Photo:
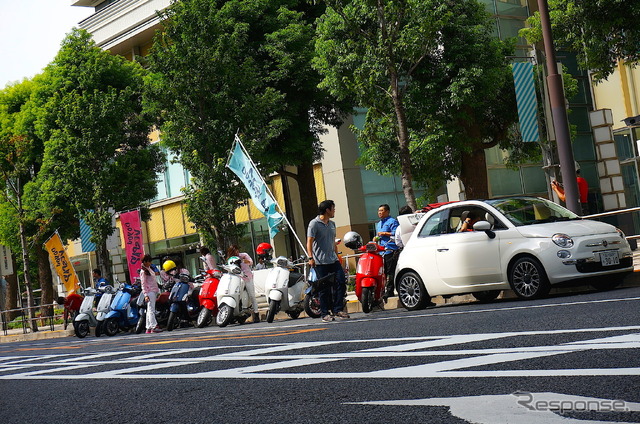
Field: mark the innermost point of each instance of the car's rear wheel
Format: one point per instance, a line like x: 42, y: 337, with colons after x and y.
x: 528, y: 279
x: 486, y: 296
x: 412, y: 292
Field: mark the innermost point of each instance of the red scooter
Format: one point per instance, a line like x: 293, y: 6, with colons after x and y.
x: 207, y: 298
x: 370, y: 278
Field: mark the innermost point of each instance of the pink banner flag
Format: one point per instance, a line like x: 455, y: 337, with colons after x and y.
x: 132, y: 236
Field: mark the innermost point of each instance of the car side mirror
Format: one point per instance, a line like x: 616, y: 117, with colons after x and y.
x: 486, y: 227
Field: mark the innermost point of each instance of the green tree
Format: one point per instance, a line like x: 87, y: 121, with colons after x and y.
x: 435, y: 82
x: 600, y: 32
x: 220, y: 66
x: 97, y: 156
x: 23, y: 149
x: 19, y: 162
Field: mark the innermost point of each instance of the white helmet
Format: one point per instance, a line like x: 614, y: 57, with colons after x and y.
x: 352, y: 240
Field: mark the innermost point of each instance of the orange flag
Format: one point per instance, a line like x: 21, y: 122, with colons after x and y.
x: 60, y: 260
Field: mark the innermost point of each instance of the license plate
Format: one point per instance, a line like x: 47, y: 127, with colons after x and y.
x: 609, y: 258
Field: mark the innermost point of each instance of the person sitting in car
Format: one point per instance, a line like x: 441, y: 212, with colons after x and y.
x: 467, y: 224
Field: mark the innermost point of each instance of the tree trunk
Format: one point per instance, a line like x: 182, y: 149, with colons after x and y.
x: 293, y: 246
x: 403, y: 142
x: 474, y: 175
x: 308, y: 198
x: 27, y: 270
x: 46, y: 282
x: 12, y: 289
x: 104, y: 262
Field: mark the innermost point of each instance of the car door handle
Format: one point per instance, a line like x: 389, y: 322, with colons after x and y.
x: 443, y: 249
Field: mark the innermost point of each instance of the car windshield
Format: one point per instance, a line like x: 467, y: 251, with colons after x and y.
x: 531, y: 210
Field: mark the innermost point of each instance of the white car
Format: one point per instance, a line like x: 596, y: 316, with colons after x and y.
x: 524, y: 243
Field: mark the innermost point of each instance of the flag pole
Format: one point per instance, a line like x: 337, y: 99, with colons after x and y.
x: 284, y: 216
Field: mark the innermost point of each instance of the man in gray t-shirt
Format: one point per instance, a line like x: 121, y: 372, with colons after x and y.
x: 323, y: 255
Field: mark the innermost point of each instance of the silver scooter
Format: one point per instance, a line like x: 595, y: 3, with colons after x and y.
x: 285, y: 288
x: 234, y: 302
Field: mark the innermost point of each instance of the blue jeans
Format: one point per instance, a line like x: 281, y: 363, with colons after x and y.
x: 332, y: 296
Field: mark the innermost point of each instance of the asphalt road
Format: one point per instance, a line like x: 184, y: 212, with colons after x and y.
x: 572, y: 358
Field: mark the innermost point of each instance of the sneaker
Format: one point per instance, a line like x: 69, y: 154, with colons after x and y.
x: 157, y: 330
x: 255, y: 316
x: 149, y: 331
x: 327, y: 318
x: 343, y: 315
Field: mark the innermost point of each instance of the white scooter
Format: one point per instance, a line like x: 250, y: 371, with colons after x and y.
x: 104, y: 306
x: 234, y: 302
x: 85, y: 318
x: 285, y: 289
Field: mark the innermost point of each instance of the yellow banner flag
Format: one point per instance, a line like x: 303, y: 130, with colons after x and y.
x: 60, y: 260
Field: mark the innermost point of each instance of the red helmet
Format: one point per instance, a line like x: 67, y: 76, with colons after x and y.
x: 264, y: 249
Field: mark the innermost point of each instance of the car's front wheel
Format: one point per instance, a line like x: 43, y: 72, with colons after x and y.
x: 528, y: 278
x: 412, y: 292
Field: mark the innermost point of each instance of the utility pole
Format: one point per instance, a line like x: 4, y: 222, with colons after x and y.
x: 559, y: 114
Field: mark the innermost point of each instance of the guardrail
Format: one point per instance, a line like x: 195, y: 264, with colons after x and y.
x: 618, y: 212
x: 23, y: 313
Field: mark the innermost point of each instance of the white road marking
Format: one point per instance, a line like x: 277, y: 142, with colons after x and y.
x: 289, y: 360
x: 498, y: 409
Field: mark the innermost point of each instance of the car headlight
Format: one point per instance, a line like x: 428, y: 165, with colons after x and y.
x: 620, y: 233
x: 562, y: 240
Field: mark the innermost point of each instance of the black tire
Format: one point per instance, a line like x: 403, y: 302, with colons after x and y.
x: 141, y: 324
x: 111, y: 326
x: 312, y: 305
x: 99, y: 328
x: 487, y: 295
x: 528, y: 279
x: 81, y: 328
x: 294, y: 314
x: 367, y: 299
x: 172, y: 322
x: 274, y: 305
x: 412, y: 293
x: 204, y: 318
x: 225, y: 315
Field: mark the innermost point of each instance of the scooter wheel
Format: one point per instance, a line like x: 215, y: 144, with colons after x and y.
x: 204, y: 318
x: 172, y: 322
x: 81, y: 328
x: 140, y: 325
x: 225, y: 314
x: 111, y: 327
x: 312, y: 305
x: 367, y: 299
x: 99, y: 326
x: 274, y: 305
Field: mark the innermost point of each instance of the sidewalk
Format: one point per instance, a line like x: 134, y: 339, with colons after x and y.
x: 353, y: 306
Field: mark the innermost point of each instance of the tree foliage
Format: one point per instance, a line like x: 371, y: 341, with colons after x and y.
x: 97, y: 156
x: 223, y: 66
x: 601, y: 32
x: 435, y: 82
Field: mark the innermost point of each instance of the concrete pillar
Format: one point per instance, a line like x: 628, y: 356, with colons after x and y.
x: 611, y: 183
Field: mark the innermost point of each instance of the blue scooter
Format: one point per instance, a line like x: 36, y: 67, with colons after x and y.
x: 184, y: 306
x: 124, y: 310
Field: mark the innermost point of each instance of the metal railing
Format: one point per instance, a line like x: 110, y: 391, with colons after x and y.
x: 618, y: 212
x: 47, y: 320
